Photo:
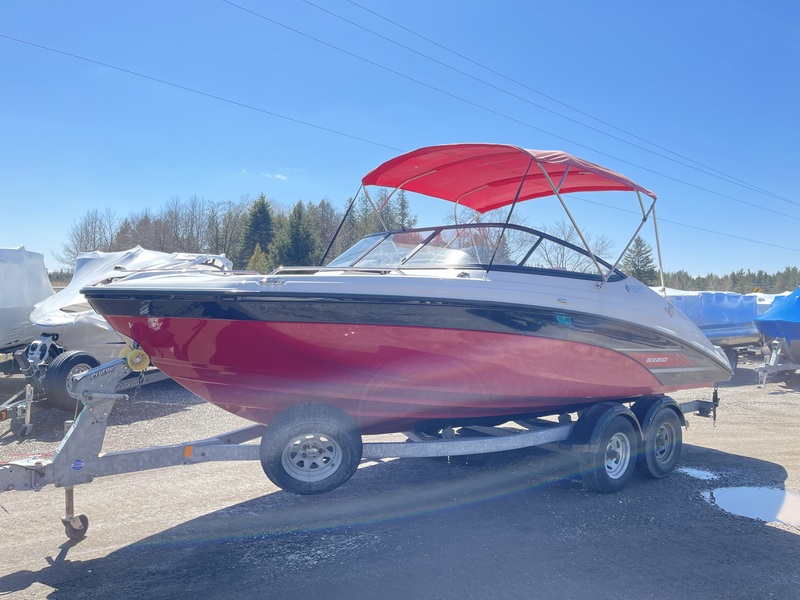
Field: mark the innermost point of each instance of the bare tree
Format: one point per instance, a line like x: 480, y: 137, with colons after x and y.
x: 94, y: 231
x: 225, y: 227
x: 186, y: 223
x: 140, y: 229
x: 556, y: 256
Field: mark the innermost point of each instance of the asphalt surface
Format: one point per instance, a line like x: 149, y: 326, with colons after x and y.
x: 510, y: 525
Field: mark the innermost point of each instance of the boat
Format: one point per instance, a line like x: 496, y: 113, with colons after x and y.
x: 726, y: 318
x: 782, y: 319
x: 73, y: 338
x: 424, y: 328
x: 780, y: 326
x: 25, y: 282
x: 68, y: 315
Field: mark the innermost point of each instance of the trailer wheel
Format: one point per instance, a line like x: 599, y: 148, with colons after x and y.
x: 733, y: 358
x: 64, y: 367
x: 77, y: 527
x: 662, y: 445
x: 611, y: 466
x: 311, y: 449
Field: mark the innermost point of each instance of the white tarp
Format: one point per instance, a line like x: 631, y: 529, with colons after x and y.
x: 23, y: 283
x: 79, y: 327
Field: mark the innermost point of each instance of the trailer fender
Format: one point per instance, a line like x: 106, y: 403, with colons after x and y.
x: 586, y: 434
x: 645, y: 410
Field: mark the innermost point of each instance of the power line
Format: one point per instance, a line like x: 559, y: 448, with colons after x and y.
x: 199, y: 92
x: 500, y: 114
x: 708, y: 170
x: 678, y: 223
x: 322, y: 128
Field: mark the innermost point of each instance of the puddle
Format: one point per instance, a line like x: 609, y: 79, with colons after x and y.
x: 698, y: 473
x: 766, y: 504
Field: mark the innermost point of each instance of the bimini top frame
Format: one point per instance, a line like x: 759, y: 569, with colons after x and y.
x: 485, y: 177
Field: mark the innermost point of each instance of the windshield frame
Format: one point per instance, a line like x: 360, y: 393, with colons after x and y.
x: 372, y: 242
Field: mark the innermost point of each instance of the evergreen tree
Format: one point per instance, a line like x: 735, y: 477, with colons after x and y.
x: 638, y: 262
x: 293, y: 244
x: 398, y: 212
x: 258, y: 230
x: 403, y: 211
x: 323, y: 220
x: 258, y: 262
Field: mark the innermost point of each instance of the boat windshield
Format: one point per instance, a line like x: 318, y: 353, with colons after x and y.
x: 477, y: 244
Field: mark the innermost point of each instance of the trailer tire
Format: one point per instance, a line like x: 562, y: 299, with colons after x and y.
x: 64, y: 367
x: 662, y: 445
x: 76, y: 531
x: 311, y: 449
x: 610, y: 466
x: 733, y: 358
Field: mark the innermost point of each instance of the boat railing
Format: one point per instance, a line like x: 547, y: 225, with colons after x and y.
x: 315, y: 270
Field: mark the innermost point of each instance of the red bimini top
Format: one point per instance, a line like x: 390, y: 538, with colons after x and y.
x: 488, y: 176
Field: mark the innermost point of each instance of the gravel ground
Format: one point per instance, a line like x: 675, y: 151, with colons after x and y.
x: 510, y: 525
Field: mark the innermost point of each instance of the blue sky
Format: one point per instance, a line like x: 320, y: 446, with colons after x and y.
x: 299, y: 100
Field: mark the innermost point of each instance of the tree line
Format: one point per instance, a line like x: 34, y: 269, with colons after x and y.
x: 254, y: 234
x: 259, y: 235
x: 638, y: 262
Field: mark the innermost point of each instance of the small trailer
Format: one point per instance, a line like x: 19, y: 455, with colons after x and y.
x: 611, y: 438
x: 47, y: 381
x: 20, y: 406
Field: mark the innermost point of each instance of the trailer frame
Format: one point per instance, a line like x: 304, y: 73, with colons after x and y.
x: 79, y: 459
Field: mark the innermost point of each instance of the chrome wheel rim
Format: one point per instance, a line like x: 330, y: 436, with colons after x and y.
x: 311, y: 457
x: 618, y: 455
x: 664, y: 443
x: 77, y: 370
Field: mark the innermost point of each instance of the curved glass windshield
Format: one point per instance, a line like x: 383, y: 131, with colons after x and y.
x: 476, y: 244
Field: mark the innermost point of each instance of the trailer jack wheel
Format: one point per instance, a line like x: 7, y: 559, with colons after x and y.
x: 76, y: 527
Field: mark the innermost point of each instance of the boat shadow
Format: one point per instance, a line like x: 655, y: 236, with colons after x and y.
x: 474, y: 521
x: 152, y: 401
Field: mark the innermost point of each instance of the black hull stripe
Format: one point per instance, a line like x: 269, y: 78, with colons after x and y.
x: 394, y: 311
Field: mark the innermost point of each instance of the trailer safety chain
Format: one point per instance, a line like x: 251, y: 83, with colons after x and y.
x: 139, y: 383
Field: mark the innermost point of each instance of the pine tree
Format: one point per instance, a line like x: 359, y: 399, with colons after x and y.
x: 257, y: 231
x: 258, y: 262
x: 638, y: 262
x: 293, y: 244
x: 323, y: 220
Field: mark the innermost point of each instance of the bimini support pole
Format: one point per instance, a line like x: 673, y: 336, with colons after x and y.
x: 341, y: 224
x: 645, y: 216
x: 377, y: 210
x: 572, y: 219
x: 508, y: 217
x: 658, y: 251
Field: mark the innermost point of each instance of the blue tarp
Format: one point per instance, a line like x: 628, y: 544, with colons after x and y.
x: 716, y: 308
x: 783, y: 319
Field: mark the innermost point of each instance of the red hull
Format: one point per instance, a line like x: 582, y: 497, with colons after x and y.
x: 388, y: 378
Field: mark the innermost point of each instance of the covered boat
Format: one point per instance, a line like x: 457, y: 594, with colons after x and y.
x: 782, y: 319
x: 421, y: 328
x: 781, y: 324
x: 726, y: 318
x: 24, y: 283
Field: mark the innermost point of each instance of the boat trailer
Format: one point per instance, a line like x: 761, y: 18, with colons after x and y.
x: 78, y: 458
x: 776, y: 361
x: 46, y: 382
